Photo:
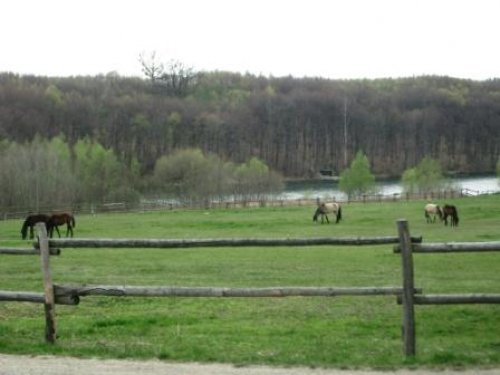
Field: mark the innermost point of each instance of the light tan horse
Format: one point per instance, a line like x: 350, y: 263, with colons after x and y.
x: 328, y: 208
x: 431, y: 210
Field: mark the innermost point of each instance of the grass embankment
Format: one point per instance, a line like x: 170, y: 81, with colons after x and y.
x: 330, y: 332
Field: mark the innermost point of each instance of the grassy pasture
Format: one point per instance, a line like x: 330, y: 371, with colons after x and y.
x: 313, y: 331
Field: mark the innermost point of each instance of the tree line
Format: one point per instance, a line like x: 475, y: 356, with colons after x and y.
x: 297, y: 127
x: 43, y: 175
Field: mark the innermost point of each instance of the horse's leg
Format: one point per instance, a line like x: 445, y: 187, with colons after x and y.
x: 327, y: 221
x: 32, y: 235
x: 69, y: 230
x: 57, y: 230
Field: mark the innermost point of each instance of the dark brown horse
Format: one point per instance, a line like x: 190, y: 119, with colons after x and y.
x: 30, y: 223
x: 451, y: 211
x: 60, y: 219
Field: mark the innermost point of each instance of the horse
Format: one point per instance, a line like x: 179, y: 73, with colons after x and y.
x: 60, y: 219
x: 327, y: 208
x: 30, y: 223
x: 434, y: 210
x: 450, y: 210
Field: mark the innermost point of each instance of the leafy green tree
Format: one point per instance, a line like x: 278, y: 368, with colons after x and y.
x: 357, y: 179
x: 409, y: 180
x: 36, y: 176
x: 427, y: 176
x: 183, y: 175
x: 254, y: 181
x: 100, y: 174
x: 190, y: 176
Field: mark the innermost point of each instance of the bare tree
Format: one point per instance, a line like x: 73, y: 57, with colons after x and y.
x: 175, y: 78
x: 178, y: 77
x: 151, y: 67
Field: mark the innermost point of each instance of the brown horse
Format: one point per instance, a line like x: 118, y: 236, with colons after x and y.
x: 30, y: 222
x: 60, y: 219
x: 451, y: 211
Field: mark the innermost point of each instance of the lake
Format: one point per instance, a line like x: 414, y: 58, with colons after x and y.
x: 326, y: 189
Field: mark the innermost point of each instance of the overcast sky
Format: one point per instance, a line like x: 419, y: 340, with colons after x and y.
x: 327, y: 38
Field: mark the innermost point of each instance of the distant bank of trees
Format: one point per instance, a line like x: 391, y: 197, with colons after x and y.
x: 297, y: 127
x: 190, y: 176
x: 52, y: 174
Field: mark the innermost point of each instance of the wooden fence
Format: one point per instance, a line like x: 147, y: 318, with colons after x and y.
x: 18, y: 212
x: 407, y: 295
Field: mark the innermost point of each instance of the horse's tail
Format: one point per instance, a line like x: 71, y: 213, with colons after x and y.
x: 339, y: 213
x: 24, y: 230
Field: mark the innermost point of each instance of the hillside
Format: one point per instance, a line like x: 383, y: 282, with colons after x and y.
x: 297, y: 126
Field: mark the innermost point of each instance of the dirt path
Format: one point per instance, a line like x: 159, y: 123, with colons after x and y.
x: 49, y: 365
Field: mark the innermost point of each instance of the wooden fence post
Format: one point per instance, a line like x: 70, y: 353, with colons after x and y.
x: 408, y: 288
x: 48, y: 287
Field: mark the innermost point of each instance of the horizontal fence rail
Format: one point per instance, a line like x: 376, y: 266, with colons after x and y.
x: 31, y: 251
x: 455, y: 299
x: 452, y: 247
x: 22, y: 296
x: 223, y: 242
x: 174, y: 291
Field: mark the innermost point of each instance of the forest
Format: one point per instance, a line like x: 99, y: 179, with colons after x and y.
x: 296, y: 126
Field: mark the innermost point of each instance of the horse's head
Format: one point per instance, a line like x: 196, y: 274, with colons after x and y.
x: 316, y: 214
x: 455, y: 216
x: 24, y: 229
x: 439, y: 212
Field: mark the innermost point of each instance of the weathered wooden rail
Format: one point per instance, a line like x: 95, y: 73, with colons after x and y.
x: 407, y: 295
x: 65, y: 294
x: 33, y: 251
x: 222, y: 242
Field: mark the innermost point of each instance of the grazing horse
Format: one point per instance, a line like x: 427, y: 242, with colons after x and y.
x: 60, y: 219
x: 30, y: 222
x: 327, y: 208
x: 434, y: 210
x: 450, y: 210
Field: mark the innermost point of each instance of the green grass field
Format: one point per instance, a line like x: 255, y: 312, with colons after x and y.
x: 309, y: 331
